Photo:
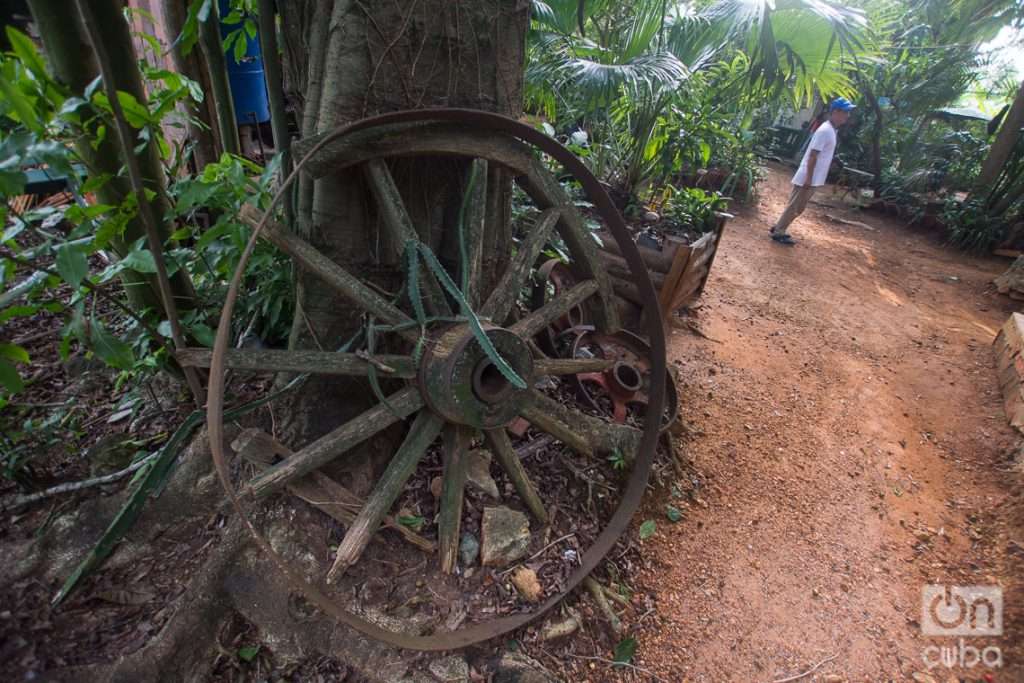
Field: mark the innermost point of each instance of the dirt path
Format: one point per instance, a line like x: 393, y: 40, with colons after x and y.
x: 849, y: 430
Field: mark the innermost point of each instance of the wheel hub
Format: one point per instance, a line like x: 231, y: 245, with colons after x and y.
x: 460, y: 382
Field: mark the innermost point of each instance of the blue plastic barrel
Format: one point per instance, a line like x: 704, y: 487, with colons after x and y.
x: 248, y: 85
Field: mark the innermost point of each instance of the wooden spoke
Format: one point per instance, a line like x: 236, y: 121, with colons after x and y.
x: 422, y: 433
x: 400, y: 229
x: 544, y: 189
x: 473, y: 228
x: 334, y: 275
x: 503, y: 298
x: 418, y: 139
x: 570, y: 366
x: 555, y: 309
x: 456, y: 452
x: 583, y: 433
x: 501, y: 446
x: 316, y: 488
x: 317, y: 362
x: 317, y: 454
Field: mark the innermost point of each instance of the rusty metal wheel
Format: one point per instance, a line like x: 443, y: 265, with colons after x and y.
x: 621, y: 391
x: 474, y: 376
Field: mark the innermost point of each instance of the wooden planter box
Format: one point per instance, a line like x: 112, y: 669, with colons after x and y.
x: 678, y: 270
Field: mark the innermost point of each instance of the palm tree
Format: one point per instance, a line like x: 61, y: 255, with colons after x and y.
x: 621, y: 65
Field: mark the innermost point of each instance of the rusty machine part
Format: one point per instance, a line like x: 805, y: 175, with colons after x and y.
x: 624, y: 384
x: 455, y: 389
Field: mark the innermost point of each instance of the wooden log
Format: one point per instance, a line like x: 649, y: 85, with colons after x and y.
x: 627, y: 290
x: 453, y: 489
x: 316, y: 488
x: 331, y: 445
x: 658, y: 261
x: 424, y: 430
x: 570, y: 366
x: 319, y: 362
x: 501, y: 446
x: 617, y: 267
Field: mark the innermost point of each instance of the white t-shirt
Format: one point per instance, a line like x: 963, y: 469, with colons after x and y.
x: 823, y: 140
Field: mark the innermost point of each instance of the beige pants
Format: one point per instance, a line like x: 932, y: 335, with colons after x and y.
x: 798, y: 199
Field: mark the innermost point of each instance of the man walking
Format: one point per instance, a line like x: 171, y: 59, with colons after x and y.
x: 813, y: 169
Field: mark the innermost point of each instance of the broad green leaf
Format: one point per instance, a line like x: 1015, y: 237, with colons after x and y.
x: 13, y: 352
x: 248, y: 653
x: 241, y: 44
x: 647, y: 529
x: 20, y: 103
x: 17, y: 312
x: 214, y: 233
x: 72, y: 263
x: 26, y: 51
x: 414, y: 522
x: 9, y: 377
x: 12, y: 183
x: 109, y: 348
x: 625, y: 650
x: 140, y: 260
x: 203, y: 334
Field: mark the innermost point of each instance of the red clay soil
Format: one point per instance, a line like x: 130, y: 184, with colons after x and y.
x: 848, y: 425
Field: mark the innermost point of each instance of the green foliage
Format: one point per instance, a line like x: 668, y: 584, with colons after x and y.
x: 38, y: 127
x: 689, y: 209
x: 618, y: 460
x: 647, y: 529
x: 625, y: 650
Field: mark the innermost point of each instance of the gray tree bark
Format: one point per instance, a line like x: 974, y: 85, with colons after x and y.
x: 349, y: 59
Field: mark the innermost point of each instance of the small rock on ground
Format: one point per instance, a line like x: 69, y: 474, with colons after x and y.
x: 514, y: 667
x: 526, y: 582
x: 452, y: 669
x: 469, y: 549
x: 478, y: 473
x: 505, y: 536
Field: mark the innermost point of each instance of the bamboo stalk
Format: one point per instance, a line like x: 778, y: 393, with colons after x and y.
x: 135, y: 177
x: 275, y: 93
x: 224, y: 105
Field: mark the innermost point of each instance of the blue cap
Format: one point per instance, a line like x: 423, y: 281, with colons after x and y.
x: 842, y: 104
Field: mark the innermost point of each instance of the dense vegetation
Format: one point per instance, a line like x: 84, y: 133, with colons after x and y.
x: 658, y: 97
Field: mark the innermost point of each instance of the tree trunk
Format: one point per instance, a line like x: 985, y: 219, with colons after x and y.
x: 1002, y: 148
x: 361, y: 59
x: 193, y: 65
x: 72, y: 63
x: 220, y: 88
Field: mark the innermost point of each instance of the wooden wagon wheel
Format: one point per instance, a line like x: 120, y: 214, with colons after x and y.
x: 475, y: 375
